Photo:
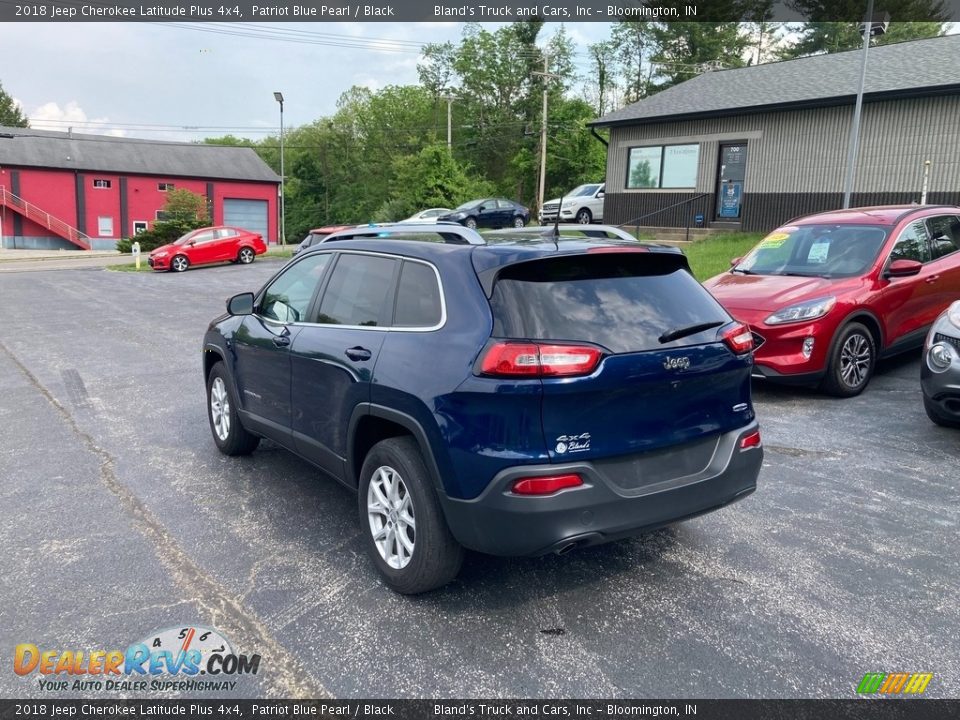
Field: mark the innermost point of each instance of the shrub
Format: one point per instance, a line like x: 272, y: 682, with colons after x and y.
x: 162, y: 232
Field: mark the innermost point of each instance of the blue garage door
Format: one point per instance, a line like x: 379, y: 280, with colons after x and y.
x: 247, y: 214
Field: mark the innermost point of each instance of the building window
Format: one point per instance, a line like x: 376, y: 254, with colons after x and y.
x: 105, y: 226
x: 163, y: 215
x: 663, y: 166
x: 102, y: 184
x: 139, y: 226
x: 164, y: 187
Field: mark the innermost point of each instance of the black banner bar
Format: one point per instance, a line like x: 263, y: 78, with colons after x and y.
x: 865, y: 709
x: 461, y: 10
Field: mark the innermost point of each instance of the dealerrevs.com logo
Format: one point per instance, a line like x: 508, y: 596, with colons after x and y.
x: 894, y: 683
x: 171, y: 659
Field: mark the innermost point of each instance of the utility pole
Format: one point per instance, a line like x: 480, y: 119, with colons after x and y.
x: 547, y: 76
x: 449, y: 97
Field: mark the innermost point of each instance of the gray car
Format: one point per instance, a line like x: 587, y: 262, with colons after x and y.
x: 940, y: 369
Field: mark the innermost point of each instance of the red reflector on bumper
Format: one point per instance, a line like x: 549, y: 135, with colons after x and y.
x: 545, y: 485
x: 750, y: 441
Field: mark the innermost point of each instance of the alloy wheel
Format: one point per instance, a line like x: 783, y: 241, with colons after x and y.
x: 220, y: 409
x: 855, y: 359
x: 180, y: 263
x: 391, y: 517
x: 246, y: 256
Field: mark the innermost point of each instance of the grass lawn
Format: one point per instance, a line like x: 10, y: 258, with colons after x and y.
x: 712, y: 256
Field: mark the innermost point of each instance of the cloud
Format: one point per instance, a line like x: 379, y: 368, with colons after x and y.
x: 50, y: 116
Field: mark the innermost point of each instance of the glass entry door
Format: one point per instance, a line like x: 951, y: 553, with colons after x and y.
x: 733, y: 169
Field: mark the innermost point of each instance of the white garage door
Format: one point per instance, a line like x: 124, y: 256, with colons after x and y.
x: 247, y: 214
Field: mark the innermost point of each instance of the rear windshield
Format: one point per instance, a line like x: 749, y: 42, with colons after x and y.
x: 624, y: 302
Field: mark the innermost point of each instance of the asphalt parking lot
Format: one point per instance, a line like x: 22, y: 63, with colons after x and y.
x: 120, y: 518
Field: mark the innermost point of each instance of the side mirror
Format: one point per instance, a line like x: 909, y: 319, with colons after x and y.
x: 903, y: 268
x: 600, y: 195
x: 481, y: 208
x: 191, y: 243
x: 241, y: 304
x: 735, y: 261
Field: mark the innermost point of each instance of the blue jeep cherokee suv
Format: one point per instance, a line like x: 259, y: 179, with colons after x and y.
x: 518, y: 397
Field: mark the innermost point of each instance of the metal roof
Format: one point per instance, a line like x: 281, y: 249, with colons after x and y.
x: 919, y: 67
x: 102, y: 153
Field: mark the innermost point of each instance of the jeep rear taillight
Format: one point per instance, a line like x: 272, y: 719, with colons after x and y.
x: 547, y: 485
x: 738, y: 338
x: 518, y: 359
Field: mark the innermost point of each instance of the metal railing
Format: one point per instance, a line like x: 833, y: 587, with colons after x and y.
x: 42, y: 217
x: 636, y: 221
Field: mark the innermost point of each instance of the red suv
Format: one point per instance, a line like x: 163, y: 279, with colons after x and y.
x: 828, y: 294
x: 208, y: 245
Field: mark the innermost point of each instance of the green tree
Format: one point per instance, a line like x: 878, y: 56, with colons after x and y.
x: 601, y: 83
x: 815, y: 38
x: 183, y: 211
x: 184, y: 205
x: 10, y: 113
x: 500, y: 97
x: 686, y: 49
x: 633, y: 44
x: 431, y: 178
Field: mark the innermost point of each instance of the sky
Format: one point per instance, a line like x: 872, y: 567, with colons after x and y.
x: 153, y: 80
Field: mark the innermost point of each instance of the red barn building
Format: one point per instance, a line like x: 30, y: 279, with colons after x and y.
x: 70, y: 191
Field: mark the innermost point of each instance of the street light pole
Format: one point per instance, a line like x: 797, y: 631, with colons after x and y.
x: 869, y: 27
x: 278, y: 96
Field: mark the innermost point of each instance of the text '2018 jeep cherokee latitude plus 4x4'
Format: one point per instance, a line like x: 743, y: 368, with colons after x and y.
x: 518, y: 397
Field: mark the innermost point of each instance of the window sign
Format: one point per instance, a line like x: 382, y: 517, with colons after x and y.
x: 644, y: 167
x: 730, y: 196
x: 669, y: 166
x: 680, y: 166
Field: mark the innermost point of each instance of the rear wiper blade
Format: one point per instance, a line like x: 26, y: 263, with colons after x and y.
x: 678, y: 333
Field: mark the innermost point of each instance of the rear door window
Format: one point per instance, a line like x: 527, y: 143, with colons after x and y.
x: 622, y: 301
x: 360, y: 291
x: 944, y: 235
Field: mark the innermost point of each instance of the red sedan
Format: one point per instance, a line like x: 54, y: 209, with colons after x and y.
x: 208, y: 245
x: 828, y: 294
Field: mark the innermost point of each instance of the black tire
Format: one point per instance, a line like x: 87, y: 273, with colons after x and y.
x: 179, y: 263
x: 471, y: 223
x: 584, y: 216
x: 518, y: 222
x: 246, y: 256
x: 934, y: 414
x: 435, y: 557
x: 853, y: 358
x: 235, y: 440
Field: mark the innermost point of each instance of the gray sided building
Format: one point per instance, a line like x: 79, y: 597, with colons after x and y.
x: 753, y: 147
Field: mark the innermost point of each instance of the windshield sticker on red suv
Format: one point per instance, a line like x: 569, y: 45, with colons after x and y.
x: 573, y: 443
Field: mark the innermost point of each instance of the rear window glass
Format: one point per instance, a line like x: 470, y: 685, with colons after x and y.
x: 623, y: 302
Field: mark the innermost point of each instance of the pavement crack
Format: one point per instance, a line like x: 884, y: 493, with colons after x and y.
x: 288, y: 677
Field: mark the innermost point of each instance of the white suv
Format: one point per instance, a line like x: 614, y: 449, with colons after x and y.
x: 583, y: 204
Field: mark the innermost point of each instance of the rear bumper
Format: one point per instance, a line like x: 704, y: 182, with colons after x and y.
x: 501, y: 523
